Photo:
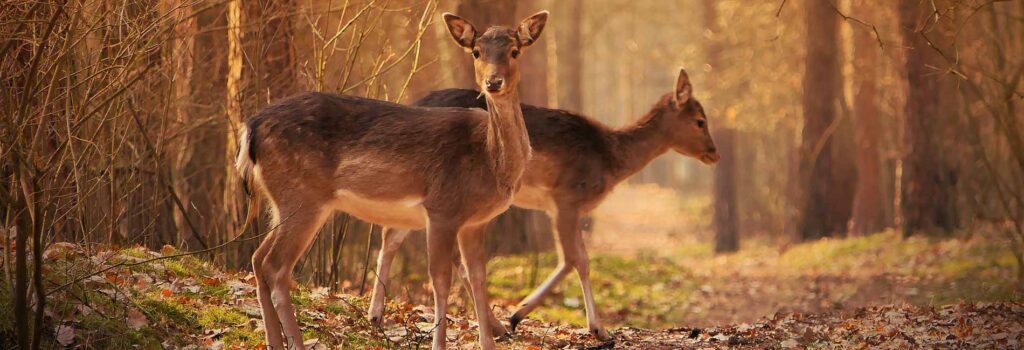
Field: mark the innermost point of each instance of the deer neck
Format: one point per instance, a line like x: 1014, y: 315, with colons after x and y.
x: 638, y: 144
x: 508, y: 144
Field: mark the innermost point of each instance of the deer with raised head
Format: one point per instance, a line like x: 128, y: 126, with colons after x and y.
x: 449, y: 170
x: 576, y: 162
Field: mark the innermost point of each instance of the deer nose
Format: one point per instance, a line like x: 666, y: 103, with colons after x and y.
x: 712, y: 149
x: 494, y: 84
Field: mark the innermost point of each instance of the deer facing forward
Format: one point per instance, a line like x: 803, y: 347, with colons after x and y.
x: 449, y: 170
x: 577, y: 162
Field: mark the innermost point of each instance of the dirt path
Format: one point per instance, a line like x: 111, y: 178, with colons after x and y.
x: 961, y: 326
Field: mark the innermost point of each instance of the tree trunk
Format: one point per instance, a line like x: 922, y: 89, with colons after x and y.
x: 181, y: 51
x: 570, y: 55
x: 726, y: 219
x: 533, y: 67
x: 277, y: 76
x: 927, y: 180
x: 231, y: 194
x: 868, y: 203
x: 820, y: 91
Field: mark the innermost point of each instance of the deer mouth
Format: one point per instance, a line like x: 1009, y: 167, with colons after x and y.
x: 710, y: 158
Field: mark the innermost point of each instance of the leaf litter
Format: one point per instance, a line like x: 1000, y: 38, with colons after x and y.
x: 162, y: 305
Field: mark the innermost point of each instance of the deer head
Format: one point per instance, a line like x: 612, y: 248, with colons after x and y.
x: 687, y: 125
x: 496, y: 52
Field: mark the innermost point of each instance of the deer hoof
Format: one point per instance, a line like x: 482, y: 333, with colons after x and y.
x: 514, y: 322
x: 600, y: 334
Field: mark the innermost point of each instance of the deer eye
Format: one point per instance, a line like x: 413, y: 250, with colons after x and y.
x: 701, y: 123
x: 515, y: 53
x: 476, y: 53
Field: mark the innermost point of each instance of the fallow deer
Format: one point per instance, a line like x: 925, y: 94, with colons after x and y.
x: 449, y: 170
x: 576, y: 162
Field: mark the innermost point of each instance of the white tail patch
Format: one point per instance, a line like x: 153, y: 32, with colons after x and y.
x: 242, y: 162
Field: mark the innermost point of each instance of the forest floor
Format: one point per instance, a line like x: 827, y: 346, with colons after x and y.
x: 879, y: 291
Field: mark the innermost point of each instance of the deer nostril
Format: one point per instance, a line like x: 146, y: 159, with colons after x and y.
x: 494, y: 84
x: 712, y: 150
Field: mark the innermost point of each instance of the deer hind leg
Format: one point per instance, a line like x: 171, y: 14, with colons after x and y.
x: 271, y: 323
x: 582, y: 264
x: 471, y: 247
x: 497, y: 328
x: 565, y: 266
x: 391, y: 240
x: 295, y: 229
x: 440, y: 243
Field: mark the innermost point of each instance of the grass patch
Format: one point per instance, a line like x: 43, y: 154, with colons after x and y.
x: 642, y: 292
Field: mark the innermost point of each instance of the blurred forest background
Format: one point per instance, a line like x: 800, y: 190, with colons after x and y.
x: 844, y: 118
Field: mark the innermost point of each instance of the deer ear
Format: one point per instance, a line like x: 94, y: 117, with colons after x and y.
x: 531, y: 27
x: 462, y: 31
x: 683, y: 89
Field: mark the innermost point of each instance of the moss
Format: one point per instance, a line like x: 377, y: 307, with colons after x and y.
x: 644, y: 286
x: 217, y: 316
x: 136, y: 252
x: 168, y: 311
x: 101, y: 331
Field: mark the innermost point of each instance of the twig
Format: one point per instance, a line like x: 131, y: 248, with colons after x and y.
x: 874, y: 29
x: 779, y: 11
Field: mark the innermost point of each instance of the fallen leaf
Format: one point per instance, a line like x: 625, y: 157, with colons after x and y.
x: 788, y: 344
x: 167, y: 249
x: 65, y: 335
x: 136, y: 319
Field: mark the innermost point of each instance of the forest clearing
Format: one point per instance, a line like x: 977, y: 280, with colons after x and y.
x: 511, y: 174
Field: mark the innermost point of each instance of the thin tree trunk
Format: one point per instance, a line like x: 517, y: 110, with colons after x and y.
x: 181, y: 55
x: 820, y: 91
x: 570, y: 56
x: 277, y: 73
x: 533, y: 87
x: 868, y: 203
x: 927, y: 181
x: 234, y: 112
x: 726, y: 219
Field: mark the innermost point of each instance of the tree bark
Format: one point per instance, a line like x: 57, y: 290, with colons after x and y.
x: 869, y: 202
x: 570, y: 56
x: 533, y: 65
x: 726, y: 219
x: 180, y: 54
x: 231, y: 194
x: 820, y: 93
x: 927, y: 180
x: 277, y: 76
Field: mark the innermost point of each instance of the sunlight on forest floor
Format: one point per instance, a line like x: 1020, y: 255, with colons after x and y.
x: 648, y: 219
x: 675, y: 284
x: 186, y: 301
x: 696, y: 288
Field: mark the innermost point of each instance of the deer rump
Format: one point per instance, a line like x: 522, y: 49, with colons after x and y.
x: 375, y: 160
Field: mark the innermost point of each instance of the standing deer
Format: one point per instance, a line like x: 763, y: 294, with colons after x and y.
x: 577, y: 161
x: 449, y: 170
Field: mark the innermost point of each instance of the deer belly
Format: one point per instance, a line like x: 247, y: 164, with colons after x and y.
x: 534, y: 197
x: 407, y: 213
